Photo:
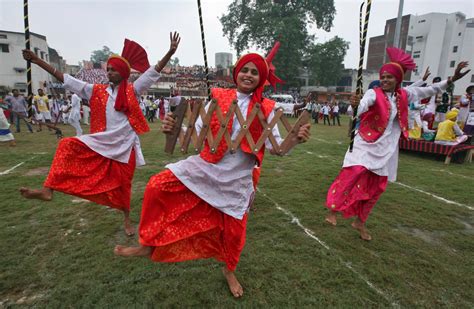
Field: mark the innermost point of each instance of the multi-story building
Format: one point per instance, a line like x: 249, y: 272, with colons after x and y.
x: 13, y: 66
x: 223, y: 60
x: 435, y: 40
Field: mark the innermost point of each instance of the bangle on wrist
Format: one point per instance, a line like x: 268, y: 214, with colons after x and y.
x: 54, y: 72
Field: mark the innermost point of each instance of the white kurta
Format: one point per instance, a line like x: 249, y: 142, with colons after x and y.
x: 119, y: 138
x: 381, y: 156
x: 5, y: 133
x: 75, y: 113
x: 463, y: 110
x: 226, y: 185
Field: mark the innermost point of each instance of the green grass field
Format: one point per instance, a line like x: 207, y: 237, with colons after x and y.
x: 60, y: 254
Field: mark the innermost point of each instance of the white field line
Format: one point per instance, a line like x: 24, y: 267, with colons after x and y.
x: 326, y: 141
x: 312, y: 235
x: 453, y: 174
x: 11, y: 169
x: 434, y: 196
x: 19, y: 164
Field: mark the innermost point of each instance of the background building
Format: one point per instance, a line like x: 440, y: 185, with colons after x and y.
x: 223, y: 60
x: 435, y: 40
x: 13, y: 66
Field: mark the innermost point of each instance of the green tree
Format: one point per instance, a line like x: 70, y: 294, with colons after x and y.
x: 325, y: 61
x: 261, y: 22
x: 101, y: 55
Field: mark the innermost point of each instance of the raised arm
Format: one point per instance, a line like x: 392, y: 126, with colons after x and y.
x: 151, y: 76
x: 28, y: 55
x: 418, y: 93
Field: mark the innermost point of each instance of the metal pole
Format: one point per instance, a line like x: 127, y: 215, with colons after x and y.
x: 204, y: 52
x: 398, y: 25
x: 28, y: 63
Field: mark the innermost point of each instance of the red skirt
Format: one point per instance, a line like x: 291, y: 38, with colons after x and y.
x: 355, y: 192
x: 180, y: 226
x: 78, y: 170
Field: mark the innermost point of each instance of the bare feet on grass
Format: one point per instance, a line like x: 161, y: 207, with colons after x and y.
x: 132, y: 251
x: 331, y: 218
x: 234, y: 285
x: 129, y: 229
x: 44, y: 194
x: 360, y: 226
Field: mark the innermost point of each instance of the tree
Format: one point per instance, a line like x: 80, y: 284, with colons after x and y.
x: 261, y: 22
x: 325, y: 61
x: 101, y: 55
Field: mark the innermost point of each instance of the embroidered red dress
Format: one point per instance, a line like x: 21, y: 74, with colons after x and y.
x: 183, y: 221
x: 80, y: 171
x: 374, y: 159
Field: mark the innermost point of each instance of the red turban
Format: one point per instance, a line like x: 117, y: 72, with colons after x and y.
x: 133, y: 56
x: 266, y: 70
x: 401, y: 62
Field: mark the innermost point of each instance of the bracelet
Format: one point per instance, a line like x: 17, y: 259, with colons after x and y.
x: 54, y: 72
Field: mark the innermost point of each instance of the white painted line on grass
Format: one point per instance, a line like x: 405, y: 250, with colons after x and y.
x: 11, y: 169
x: 434, y: 196
x: 311, y: 234
x: 457, y: 175
x: 19, y: 164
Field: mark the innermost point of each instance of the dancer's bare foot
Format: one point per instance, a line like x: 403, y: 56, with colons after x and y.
x: 360, y: 226
x: 234, y: 285
x: 331, y: 218
x: 45, y: 194
x: 132, y: 251
x: 129, y: 229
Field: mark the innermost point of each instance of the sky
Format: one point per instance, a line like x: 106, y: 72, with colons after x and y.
x: 77, y: 27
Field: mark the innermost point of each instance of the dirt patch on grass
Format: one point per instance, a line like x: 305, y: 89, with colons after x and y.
x: 431, y: 237
x: 21, y: 299
x: 39, y: 171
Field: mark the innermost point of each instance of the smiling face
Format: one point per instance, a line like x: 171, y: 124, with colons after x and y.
x: 388, y: 82
x: 248, y: 78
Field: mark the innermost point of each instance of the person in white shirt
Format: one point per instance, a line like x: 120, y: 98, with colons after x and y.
x: 85, y: 112
x: 100, y: 166
x: 75, y: 114
x: 464, y: 104
x: 335, y: 114
x: 373, y: 161
x: 198, y: 207
x: 325, y: 111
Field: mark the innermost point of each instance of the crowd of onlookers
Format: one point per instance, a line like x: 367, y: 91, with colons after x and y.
x: 49, y: 109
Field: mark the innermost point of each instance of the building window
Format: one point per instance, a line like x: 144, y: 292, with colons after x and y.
x: 459, y: 34
x: 416, y: 56
x: 4, y: 48
x: 472, y: 78
x: 42, y: 55
x: 3, y: 36
x: 417, y: 52
x: 455, y: 49
x: 36, y: 51
x: 452, y: 63
x: 421, y: 21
